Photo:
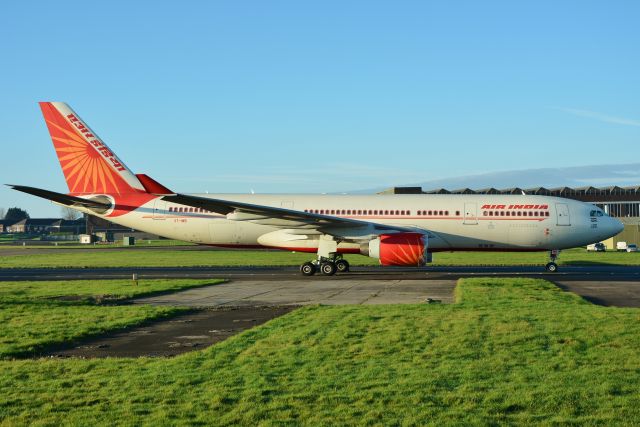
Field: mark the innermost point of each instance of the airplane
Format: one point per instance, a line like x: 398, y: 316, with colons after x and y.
x: 398, y: 230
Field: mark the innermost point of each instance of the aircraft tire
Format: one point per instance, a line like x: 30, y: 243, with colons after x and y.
x: 328, y: 268
x: 308, y: 269
x: 551, y: 267
x: 342, y: 266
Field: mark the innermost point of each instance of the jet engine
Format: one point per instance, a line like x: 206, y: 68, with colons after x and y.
x: 408, y: 249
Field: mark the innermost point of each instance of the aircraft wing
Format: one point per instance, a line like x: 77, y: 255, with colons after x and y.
x: 285, y: 218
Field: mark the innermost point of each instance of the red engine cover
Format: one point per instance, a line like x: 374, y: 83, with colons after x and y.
x: 402, y: 249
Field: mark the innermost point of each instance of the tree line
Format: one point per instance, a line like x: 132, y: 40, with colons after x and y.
x: 17, y: 214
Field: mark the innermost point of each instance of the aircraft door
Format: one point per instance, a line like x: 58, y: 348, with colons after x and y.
x: 470, y: 214
x: 562, y: 214
x: 159, y: 208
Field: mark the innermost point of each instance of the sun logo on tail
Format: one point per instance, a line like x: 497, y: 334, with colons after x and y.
x: 83, y: 167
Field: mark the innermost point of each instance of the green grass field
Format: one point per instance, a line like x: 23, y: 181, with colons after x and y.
x: 168, y: 257
x: 37, y: 315
x: 510, y: 351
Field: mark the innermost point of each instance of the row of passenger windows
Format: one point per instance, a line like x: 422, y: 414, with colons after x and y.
x: 376, y: 212
x: 194, y: 210
x: 436, y: 213
x: 514, y: 213
x: 381, y: 212
x: 357, y: 212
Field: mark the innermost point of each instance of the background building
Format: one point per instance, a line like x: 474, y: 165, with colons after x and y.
x: 619, y: 202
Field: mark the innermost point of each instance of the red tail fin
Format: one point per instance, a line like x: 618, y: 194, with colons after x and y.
x: 89, y: 166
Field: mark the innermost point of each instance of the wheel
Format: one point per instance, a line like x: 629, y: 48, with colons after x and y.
x: 552, y: 267
x: 328, y: 268
x: 308, y: 269
x: 342, y: 266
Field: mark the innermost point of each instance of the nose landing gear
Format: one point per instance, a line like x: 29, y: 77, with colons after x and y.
x: 552, y: 267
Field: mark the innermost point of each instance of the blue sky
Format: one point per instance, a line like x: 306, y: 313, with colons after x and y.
x: 321, y: 97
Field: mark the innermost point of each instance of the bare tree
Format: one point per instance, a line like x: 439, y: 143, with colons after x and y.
x: 2, y: 213
x: 69, y: 214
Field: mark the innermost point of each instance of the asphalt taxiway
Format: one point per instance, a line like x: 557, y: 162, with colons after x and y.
x: 601, y: 284
x: 576, y: 273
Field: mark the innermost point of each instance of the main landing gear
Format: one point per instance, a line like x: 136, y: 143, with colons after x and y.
x: 552, y: 267
x: 327, y: 266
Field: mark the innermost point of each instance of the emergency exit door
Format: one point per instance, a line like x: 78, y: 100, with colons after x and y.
x: 470, y: 214
x: 562, y: 214
x: 159, y: 207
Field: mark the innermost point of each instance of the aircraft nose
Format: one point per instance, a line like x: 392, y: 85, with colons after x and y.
x: 618, y: 226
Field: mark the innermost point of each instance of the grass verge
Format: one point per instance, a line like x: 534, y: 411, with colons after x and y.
x: 512, y: 351
x: 38, y: 315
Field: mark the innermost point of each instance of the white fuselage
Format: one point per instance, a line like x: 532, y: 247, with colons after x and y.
x: 452, y: 222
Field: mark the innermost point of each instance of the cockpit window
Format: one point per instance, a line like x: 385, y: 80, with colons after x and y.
x: 596, y: 213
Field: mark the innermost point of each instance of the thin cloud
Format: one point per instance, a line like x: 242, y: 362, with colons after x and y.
x: 600, y: 117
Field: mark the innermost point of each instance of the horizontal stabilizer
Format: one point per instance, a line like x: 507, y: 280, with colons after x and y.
x: 152, y: 186
x: 63, y: 199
